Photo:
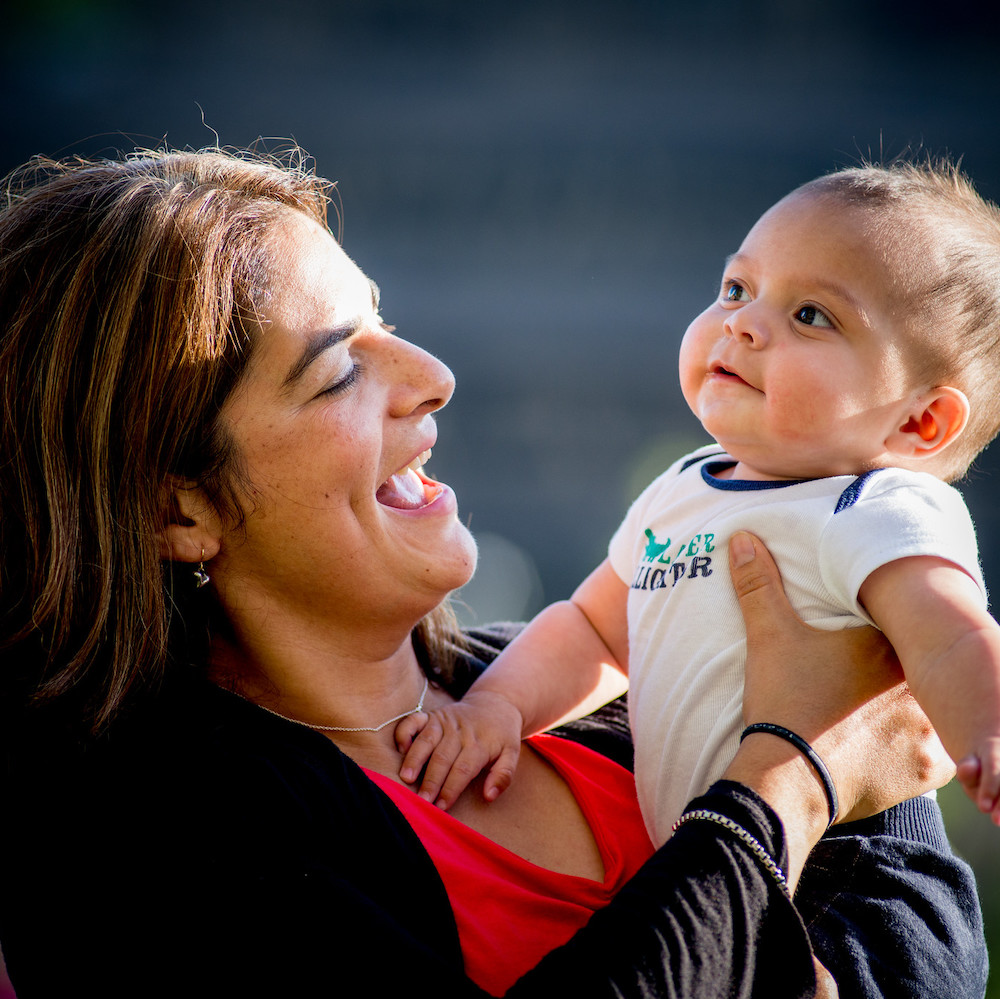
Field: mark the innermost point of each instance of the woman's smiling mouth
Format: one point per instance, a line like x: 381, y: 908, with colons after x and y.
x: 408, y: 488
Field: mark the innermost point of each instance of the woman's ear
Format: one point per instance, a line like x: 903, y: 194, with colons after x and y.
x: 191, y: 527
x: 935, y: 420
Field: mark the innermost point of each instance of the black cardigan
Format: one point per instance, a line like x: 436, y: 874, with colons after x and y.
x: 206, y: 848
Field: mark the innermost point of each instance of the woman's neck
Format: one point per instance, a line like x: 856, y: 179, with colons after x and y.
x: 319, y: 679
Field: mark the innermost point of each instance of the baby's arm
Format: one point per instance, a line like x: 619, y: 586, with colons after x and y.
x: 553, y: 665
x: 931, y: 611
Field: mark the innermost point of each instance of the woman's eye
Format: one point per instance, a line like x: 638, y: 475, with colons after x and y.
x: 344, y: 383
x: 809, y: 315
x: 733, y: 291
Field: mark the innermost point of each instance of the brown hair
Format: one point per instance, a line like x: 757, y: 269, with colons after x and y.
x: 129, y: 292
x: 941, y: 246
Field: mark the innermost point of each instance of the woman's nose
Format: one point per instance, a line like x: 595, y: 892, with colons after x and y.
x: 421, y: 383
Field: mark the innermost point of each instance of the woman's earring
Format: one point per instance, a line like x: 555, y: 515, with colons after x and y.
x: 200, y: 576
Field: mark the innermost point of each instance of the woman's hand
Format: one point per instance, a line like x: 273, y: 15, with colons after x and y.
x: 842, y: 691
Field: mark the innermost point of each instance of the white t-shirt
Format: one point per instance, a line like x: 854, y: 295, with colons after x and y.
x: 687, y: 647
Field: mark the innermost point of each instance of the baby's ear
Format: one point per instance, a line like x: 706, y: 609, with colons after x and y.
x: 935, y: 419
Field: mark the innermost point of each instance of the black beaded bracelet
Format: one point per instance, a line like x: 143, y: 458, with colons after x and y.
x: 808, y: 752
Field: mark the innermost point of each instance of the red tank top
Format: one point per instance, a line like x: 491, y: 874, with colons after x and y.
x: 511, y: 913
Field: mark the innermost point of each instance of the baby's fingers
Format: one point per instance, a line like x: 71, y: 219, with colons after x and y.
x: 967, y: 774
x: 420, y: 747
x: 408, y: 729
x: 501, y: 774
x: 981, y: 782
x: 988, y: 796
x: 450, y: 771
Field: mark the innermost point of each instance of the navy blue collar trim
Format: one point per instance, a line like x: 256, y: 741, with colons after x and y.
x: 702, y: 457
x: 710, y: 470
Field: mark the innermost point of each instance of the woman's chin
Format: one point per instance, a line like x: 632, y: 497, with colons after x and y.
x: 465, y: 558
x: 437, y: 572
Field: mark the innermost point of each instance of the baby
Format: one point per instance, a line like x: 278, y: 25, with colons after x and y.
x: 848, y: 371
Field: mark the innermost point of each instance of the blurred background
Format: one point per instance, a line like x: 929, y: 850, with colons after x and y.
x: 545, y: 191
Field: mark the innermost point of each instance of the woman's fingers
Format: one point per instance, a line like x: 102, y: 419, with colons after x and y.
x: 840, y: 690
x: 779, y: 643
x: 767, y: 613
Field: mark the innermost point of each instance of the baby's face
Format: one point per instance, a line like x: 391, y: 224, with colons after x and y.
x: 797, y: 368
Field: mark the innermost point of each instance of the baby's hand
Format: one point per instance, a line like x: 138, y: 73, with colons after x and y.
x: 457, y: 742
x: 979, y: 774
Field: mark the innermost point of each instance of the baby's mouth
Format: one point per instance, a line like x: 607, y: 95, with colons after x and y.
x: 409, y: 488
x: 726, y: 373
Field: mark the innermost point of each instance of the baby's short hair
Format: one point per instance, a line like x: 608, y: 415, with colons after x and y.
x: 940, y: 242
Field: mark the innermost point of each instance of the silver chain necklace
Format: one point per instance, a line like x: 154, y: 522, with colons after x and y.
x: 347, y: 728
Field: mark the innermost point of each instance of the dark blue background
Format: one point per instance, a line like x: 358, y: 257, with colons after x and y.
x: 545, y: 192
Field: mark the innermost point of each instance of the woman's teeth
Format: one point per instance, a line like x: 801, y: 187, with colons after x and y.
x: 420, y: 459
x: 405, y: 490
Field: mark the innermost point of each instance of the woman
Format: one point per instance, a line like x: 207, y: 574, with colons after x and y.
x: 224, y: 576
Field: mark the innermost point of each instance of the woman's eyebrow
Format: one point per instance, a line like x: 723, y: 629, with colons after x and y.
x: 315, y: 346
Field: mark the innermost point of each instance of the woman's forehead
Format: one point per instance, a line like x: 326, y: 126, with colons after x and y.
x: 312, y: 280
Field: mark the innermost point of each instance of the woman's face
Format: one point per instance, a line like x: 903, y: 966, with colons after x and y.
x: 331, y: 412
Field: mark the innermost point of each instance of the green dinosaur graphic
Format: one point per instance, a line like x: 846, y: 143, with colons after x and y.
x: 654, y: 550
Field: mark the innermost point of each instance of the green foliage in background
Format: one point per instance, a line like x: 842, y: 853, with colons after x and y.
x: 977, y: 841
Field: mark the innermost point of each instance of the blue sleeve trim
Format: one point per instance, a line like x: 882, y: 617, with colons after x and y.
x: 852, y: 493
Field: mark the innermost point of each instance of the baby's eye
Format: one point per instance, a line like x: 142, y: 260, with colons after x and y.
x: 733, y: 291
x: 809, y: 315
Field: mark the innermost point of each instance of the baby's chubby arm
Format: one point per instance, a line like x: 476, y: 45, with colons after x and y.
x: 949, y: 646
x: 553, y: 665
